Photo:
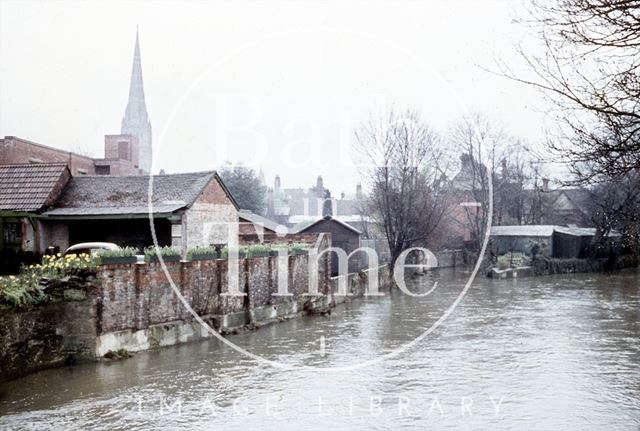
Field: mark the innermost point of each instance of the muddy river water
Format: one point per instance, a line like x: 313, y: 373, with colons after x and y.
x: 548, y: 353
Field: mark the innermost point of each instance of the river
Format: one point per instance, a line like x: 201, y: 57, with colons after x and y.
x: 548, y: 353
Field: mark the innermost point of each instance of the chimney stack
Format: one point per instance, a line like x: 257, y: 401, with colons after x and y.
x: 327, y: 204
x: 545, y: 184
x: 358, y: 191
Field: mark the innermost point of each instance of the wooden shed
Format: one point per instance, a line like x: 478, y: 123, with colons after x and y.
x: 343, y: 236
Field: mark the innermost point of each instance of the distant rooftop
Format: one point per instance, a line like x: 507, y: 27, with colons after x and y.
x: 543, y: 230
x: 522, y: 230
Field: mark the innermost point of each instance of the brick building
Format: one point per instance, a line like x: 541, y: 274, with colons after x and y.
x: 42, y: 205
x: 25, y: 191
x: 467, y: 195
x: 121, y: 156
x: 188, y: 210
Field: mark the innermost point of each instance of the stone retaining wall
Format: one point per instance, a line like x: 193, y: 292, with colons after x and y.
x: 59, y: 332
x: 134, y: 307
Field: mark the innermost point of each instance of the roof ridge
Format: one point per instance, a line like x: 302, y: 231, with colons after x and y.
x: 203, y: 173
x: 34, y: 164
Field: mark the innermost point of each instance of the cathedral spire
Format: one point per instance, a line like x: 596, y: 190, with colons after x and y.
x: 136, y: 119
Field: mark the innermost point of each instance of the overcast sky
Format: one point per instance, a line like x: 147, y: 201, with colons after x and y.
x: 280, y: 85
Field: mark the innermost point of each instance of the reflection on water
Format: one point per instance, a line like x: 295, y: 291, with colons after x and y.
x: 557, y: 352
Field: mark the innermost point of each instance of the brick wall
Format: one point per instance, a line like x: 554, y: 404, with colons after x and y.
x: 115, y: 144
x: 133, y: 306
x: 206, y: 222
x: 137, y: 296
x: 15, y: 150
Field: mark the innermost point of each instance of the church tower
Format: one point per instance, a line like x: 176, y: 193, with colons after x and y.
x: 136, y: 120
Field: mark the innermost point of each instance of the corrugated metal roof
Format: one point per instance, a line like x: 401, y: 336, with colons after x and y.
x: 578, y: 231
x: 522, y: 230
x: 582, y: 231
x: 544, y: 230
x: 29, y: 187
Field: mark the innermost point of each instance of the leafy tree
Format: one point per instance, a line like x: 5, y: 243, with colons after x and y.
x: 245, y: 186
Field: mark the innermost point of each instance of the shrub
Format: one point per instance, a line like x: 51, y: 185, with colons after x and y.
x: 502, y: 265
x: 202, y: 251
x: 240, y: 251
x: 26, y: 288
x: 298, y: 247
x: 509, y: 259
x: 165, y: 251
x: 257, y: 250
x: 21, y: 290
x: 121, y: 252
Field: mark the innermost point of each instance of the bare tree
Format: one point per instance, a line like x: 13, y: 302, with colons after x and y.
x: 590, y: 71
x: 470, y: 137
x: 489, y: 154
x: 615, y: 207
x: 402, y: 163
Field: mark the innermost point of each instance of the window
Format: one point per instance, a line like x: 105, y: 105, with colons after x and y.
x: 123, y: 150
x: 12, y: 233
x: 103, y: 170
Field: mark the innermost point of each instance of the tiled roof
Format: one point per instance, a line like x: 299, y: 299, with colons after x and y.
x: 29, y: 187
x: 112, y: 195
